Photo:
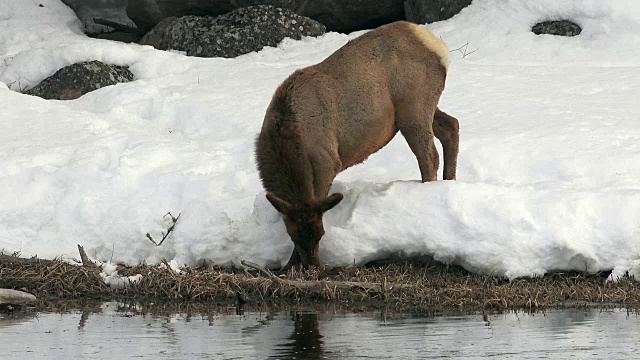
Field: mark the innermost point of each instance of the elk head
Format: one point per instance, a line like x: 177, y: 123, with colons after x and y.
x: 304, y: 225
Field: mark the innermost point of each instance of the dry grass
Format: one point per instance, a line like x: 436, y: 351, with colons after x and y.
x: 424, y: 286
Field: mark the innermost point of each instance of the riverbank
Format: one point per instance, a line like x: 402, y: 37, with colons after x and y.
x: 419, y: 285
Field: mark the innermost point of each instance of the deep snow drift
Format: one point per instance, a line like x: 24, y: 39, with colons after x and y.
x: 549, y: 168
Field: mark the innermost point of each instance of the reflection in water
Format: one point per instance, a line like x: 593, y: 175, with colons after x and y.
x: 112, y: 331
x: 306, y: 341
x: 83, y: 319
x: 9, y: 320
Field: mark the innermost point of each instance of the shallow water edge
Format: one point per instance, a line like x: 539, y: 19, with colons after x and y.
x: 95, y: 330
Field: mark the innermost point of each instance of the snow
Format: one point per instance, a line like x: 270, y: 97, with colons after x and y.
x: 110, y: 276
x: 173, y: 265
x: 548, y: 175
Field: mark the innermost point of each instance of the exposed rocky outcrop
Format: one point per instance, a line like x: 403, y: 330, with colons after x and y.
x: 428, y: 11
x: 238, y: 32
x: 75, y: 80
x: 557, y: 27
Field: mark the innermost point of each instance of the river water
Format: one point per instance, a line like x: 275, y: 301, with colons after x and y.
x: 113, y: 331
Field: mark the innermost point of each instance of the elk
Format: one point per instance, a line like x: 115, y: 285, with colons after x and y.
x: 327, y: 117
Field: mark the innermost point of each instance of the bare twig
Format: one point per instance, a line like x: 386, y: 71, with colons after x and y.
x: 169, y: 230
x: 261, y: 269
x: 20, y: 88
x: 85, y: 259
x: 463, y: 50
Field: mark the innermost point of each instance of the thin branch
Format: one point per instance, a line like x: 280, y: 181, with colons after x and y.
x: 169, y: 230
x: 463, y: 50
x: 261, y: 269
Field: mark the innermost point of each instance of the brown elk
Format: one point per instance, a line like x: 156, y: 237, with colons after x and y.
x: 327, y: 117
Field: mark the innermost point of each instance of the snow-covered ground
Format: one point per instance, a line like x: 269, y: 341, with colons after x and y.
x: 548, y: 176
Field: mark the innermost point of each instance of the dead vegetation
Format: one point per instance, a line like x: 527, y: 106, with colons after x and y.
x: 403, y: 284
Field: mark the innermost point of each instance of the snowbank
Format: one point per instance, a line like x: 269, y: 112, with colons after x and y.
x: 548, y: 171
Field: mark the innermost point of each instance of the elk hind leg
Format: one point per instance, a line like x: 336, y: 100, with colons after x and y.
x: 447, y: 129
x: 416, y: 127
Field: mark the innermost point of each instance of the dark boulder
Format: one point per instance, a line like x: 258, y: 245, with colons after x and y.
x: 294, y: 5
x: 239, y: 32
x: 336, y: 15
x: 121, y: 36
x: 156, y: 37
x: 352, y: 15
x: 147, y: 13
x: 557, y: 27
x: 75, y: 80
x: 429, y: 11
x: 114, y: 11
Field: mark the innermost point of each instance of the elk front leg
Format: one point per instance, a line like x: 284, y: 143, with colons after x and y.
x: 447, y: 129
x: 294, y: 261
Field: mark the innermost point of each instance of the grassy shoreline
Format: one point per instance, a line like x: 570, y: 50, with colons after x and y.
x: 411, y: 285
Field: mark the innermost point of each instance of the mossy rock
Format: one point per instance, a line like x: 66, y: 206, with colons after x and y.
x: 239, y: 32
x: 557, y: 27
x: 75, y: 80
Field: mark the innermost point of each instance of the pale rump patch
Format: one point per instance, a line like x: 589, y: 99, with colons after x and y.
x: 432, y: 42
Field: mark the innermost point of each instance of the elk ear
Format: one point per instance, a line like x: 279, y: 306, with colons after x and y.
x: 281, y: 205
x: 330, y: 202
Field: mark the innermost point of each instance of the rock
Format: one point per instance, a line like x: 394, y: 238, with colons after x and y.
x: 336, y: 15
x: 122, y: 33
x: 557, y: 27
x: 121, y: 36
x: 428, y: 11
x: 111, y: 10
x: 294, y: 5
x: 352, y: 15
x: 239, y: 32
x: 156, y: 37
x: 75, y: 80
x: 9, y: 296
x: 148, y: 13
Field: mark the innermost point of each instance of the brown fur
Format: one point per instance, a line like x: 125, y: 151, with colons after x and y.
x: 333, y: 115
